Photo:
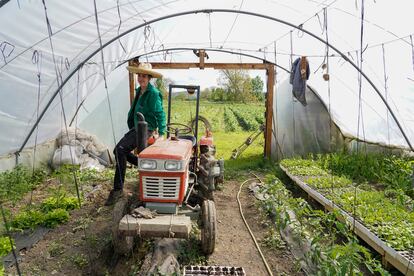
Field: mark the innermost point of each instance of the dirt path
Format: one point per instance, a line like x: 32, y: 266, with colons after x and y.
x: 234, y: 246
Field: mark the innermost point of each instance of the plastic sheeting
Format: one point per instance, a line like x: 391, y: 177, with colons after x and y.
x: 298, y: 129
x: 43, y: 43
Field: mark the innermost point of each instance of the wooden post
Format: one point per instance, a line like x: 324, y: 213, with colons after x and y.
x: 270, y: 71
x: 201, y: 53
x: 131, y: 85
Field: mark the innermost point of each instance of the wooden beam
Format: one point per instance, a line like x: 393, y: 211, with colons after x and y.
x: 131, y: 85
x: 186, y: 65
x: 269, y: 109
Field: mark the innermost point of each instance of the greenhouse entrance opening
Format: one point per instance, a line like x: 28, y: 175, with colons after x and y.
x: 252, y: 121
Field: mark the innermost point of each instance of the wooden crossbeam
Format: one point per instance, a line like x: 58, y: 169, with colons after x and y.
x: 188, y: 65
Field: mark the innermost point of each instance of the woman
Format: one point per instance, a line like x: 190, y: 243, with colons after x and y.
x: 148, y: 101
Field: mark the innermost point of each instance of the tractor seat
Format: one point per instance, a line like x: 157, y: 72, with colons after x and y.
x: 189, y: 137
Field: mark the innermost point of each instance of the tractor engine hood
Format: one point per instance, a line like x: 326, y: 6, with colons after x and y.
x: 168, y: 150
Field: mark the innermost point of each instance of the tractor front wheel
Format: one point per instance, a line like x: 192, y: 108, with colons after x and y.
x: 122, y: 244
x: 208, y: 231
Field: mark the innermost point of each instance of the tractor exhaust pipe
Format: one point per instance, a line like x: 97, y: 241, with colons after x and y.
x: 141, y: 130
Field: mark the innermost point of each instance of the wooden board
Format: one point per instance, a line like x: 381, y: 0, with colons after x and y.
x: 164, y: 226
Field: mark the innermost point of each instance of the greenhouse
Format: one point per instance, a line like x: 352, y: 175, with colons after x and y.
x: 171, y: 137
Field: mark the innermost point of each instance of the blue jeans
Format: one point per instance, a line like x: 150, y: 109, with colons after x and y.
x: 123, y: 153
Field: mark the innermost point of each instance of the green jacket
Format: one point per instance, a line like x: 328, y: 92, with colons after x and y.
x: 150, y: 105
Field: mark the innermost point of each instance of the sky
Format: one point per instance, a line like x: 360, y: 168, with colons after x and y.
x: 205, y: 78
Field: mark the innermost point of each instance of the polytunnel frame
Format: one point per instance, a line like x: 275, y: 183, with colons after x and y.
x: 209, y: 11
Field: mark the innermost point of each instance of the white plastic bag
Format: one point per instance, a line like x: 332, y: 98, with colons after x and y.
x: 66, y: 155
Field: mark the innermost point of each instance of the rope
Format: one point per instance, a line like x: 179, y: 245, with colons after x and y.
x: 107, y: 96
x: 275, y: 117
x: 37, y: 60
x: 293, y: 100
x: 250, y: 231
x: 315, y: 15
x: 325, y: 14
x: 59, y: 80
x: 359, y: 103
x: 209, y: 30
x: 386, y: 93
x: 412, y: 49
x: 171, y: 234
x: 119, y: 26
x: 360, y: 114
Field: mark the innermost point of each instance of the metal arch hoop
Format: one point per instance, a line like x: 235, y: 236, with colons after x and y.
x: 211, y: 11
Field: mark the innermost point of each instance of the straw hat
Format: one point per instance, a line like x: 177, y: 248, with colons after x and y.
x: 144, y: 68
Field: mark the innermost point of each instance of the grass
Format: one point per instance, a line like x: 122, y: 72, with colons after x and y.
x: 228, y: 134
x: 251, y: 158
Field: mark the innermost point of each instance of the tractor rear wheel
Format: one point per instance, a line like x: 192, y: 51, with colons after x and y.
x: 208, y: 231
x: 122, y: 244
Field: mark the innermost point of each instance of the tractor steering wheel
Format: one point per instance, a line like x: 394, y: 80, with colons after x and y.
x: 178, y: 129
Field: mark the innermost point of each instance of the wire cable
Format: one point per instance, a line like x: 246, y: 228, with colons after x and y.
x: 232, y: 25
x: 250, y: 231
x: 315, y: 15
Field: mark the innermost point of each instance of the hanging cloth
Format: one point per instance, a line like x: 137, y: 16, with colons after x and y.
x: 298, y: 76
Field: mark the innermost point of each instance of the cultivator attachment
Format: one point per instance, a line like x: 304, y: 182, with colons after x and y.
x: 239, y: 150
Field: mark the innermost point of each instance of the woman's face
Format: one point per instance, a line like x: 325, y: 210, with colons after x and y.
x: 143, y: 80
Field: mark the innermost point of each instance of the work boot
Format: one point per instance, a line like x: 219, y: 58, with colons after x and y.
x: 113, y: 197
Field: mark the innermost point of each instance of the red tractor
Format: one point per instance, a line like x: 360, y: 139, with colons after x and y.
x: 177, y: 177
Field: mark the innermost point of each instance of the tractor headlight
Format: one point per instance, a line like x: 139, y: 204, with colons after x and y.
x: 172, y: 165
x: 147, y: 164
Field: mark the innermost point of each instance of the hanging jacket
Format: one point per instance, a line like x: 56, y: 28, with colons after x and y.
x: 150, y: 105
x: 298, y: 76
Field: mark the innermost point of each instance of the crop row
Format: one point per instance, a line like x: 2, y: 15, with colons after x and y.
x: 222, y: 117
x: 389, y: 214
x: 343, y: 258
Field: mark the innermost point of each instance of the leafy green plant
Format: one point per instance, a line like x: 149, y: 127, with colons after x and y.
x: 322, y: 229
x: 80, y: 260
x: 92, y: 175
x: 59, y: 201
x: 5, y: 246
x: 246, y: 119
x: 390, y: 170
x: 189, y: 251
x: 55, y: 217
x: 17, y: 182
x: 390, y: 221
x: 55, y: 249
x: 231, y: 123
x: 27, y: 219
x: 302, y: 167
x: 273, y: 240
x: 327, y: 181
x: 347, y: 259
